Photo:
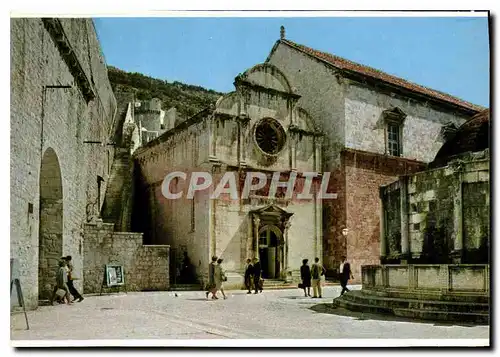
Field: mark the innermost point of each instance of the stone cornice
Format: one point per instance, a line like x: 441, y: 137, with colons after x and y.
x: 240, y: 82
x: 296, y: 130
x: 56, y: 31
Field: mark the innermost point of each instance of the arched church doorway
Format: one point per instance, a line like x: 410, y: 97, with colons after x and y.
x: 270, y: 251
x: 51, y: 223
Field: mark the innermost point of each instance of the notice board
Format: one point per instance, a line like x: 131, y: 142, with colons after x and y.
x: 114, y: 275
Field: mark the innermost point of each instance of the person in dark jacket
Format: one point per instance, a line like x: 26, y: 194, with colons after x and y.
x: 305, y: 275
x: 345, y: 274
x: 76, y: 295
x: 211, y: 279
x: 256, y: 275
x: 248, y: 276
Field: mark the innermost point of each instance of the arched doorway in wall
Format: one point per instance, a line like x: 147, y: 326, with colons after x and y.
x: 271, y: 251
x: 50, y: 234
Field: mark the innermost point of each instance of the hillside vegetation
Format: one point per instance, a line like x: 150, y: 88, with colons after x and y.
x: 188, y: 99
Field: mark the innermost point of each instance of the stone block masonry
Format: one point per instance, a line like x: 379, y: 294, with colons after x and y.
x: 146, y: 267
x: 62, y: 113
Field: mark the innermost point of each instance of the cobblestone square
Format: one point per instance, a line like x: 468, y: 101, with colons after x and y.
x: 274, y: 314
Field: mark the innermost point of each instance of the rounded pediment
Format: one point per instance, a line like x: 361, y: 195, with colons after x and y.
x: 228, y: 102
x: 267, y: 76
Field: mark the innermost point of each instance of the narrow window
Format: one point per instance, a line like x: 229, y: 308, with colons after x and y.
x: 393, y: 139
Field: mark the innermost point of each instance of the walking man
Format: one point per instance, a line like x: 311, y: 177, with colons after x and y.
x: 345, y: 274
x: 248, y: 276
x: 317, y: 270
x: 76, y: 295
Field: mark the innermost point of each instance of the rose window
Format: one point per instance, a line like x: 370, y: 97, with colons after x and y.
x: 270, y: 136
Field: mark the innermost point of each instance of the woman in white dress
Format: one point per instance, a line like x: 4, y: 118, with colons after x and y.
x: 220, y: 277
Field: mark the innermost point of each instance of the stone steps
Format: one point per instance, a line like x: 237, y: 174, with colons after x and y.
x: 391, y: 302
x: 470, y: 298
x: 474, y: 317
x: 415, y: 308
x: 186, y: 287
x: 270, y: 284
x: 118, y: 180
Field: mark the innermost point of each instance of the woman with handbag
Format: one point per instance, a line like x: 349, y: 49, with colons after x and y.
x: 220, y: 276
x: 305, y: 275
x: 61, y: 288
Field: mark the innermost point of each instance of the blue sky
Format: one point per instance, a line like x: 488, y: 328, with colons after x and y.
x: 447, y: 54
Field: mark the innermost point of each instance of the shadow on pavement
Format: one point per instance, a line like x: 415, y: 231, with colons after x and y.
x: 330, y: 309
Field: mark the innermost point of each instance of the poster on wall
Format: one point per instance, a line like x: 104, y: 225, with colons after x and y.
x: 114, y: 275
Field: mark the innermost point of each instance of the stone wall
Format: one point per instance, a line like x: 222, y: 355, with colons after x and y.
x: 441, y: 280
x: 51, y: 112
x: 365, y: 129
x: 182, y: 223
x: 322, y: 95
x: 447, y: 210
x: 146, y: 267
x: 364, y: 174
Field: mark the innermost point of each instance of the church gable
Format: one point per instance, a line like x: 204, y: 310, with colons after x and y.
x: 266, y: 76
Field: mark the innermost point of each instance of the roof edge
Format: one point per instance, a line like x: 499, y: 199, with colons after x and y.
x: 470, y: 107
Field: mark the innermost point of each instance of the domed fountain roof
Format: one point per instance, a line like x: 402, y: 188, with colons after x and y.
x: 472, y: 136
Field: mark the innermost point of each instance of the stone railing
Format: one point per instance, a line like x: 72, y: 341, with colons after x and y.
x: 428, y: 278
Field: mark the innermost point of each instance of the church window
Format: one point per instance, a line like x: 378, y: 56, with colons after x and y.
x: 394, y: 120
x: 270, y: 136
x: 393, y: 139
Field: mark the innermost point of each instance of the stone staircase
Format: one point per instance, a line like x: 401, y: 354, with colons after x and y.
x: 118, y: 190
x: 453, y: 308
x: 270, y: 284
x: 185, y: 287
x: 117, y: 201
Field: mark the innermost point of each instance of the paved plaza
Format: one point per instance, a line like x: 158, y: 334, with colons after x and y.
x: 278, y: 314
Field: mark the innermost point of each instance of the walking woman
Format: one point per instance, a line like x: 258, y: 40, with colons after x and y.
x: 220, y: 277
x: 305, y: 275
x: 211, y: 279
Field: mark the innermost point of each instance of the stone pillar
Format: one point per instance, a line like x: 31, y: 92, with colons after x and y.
x: 293, y: 153
x: 212, y: 143
x: 317, y: 153
x: 405, y: 244
x: 256, y: 223
x: 318, y: 226
x: 383, y: 239
x: 456, y: 254
x: 250, y: 237
x: 285, y: 253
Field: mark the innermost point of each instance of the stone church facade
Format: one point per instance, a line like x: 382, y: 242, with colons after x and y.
x: 256, y: 128
x: 376, y: 127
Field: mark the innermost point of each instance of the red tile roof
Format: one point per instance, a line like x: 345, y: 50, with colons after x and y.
x: 345, y: 64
